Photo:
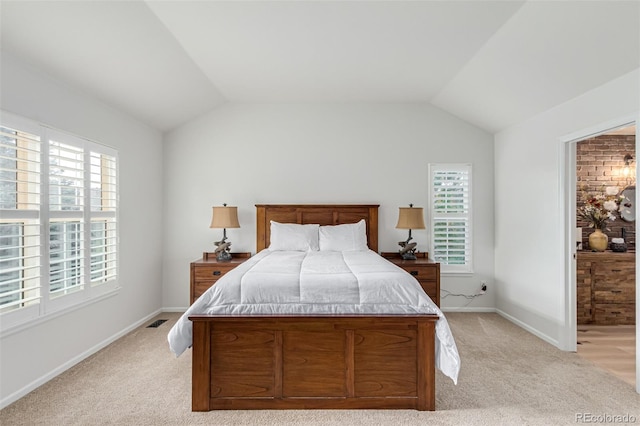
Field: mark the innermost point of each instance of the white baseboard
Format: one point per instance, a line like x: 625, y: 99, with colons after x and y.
x: 530, y: 329
x: 67, y: 365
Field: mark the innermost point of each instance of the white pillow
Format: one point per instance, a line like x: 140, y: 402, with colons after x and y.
x: 348, y: 237
x: 293, y: 237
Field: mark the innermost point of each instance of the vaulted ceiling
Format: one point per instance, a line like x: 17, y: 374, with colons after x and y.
x: 491, y: 63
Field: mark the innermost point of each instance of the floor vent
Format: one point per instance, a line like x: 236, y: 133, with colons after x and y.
x: 156, y: 323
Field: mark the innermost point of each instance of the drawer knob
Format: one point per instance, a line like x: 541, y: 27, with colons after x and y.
x: 217, y: 273
x: 414, y: 272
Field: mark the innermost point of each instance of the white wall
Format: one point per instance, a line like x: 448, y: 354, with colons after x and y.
x: 31, y: 356
x: 529, y: 257
x: 249, y: 154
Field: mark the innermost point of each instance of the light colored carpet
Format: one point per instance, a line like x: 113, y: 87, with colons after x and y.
x: 508, y: 377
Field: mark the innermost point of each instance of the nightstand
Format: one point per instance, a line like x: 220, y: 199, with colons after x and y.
x: 207, y: 270
x: 425, y: 270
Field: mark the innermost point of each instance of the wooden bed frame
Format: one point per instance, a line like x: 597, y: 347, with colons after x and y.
x: 341, y: 361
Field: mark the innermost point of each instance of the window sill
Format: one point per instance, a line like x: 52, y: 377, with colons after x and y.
x: 16, y: 328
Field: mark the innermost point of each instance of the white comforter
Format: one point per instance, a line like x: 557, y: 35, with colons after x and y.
x: 288, y: 282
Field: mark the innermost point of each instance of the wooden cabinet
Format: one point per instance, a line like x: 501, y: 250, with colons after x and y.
x: 606, y: 284
x: 206, y: 271
x: 425, y: 270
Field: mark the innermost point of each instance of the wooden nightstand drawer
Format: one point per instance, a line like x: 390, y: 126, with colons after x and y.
x: 207, y: 271
x: 430, y: 287
x: 624, y: 294
x: 210, y: 272
x: 613, y: 275
x: 615, y: 313
x: 421, y: 272
x: 200, y: 287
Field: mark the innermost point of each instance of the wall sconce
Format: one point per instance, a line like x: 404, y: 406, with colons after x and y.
x: 224, y: 217
x: 409, y: 218
x: 626, y: 170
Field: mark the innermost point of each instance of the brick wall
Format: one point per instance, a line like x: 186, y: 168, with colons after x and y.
x: 599, y: 164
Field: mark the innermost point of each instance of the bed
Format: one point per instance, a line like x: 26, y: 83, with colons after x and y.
x: 360, y: 356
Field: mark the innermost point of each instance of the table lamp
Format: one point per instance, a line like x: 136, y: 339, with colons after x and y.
x: 409, y: 218
x: 224, y: 217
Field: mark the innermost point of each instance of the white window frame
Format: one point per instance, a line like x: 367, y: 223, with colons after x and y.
x: 89, y: 291
x: 435, y: 217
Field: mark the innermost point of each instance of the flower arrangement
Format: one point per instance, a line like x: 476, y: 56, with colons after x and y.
x: 599, y: 208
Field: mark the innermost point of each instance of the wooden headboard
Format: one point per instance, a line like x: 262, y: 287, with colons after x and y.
x: 322, y: 214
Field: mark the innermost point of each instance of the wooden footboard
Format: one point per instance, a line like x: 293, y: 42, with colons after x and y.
x: 267, y: 362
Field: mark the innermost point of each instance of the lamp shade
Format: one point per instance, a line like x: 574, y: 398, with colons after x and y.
x: 410, y: 218
x: 224, y: 217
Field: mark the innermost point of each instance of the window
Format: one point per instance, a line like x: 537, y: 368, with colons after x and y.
x: 450, y: 213
x: 58, y: 220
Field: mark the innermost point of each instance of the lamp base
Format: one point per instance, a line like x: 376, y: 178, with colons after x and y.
x: 223, y: 247
x: 407, y: 249
x: 223, y: 256
x: 408, y: 256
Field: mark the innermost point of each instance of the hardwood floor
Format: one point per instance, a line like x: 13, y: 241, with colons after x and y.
x: 611, y: 347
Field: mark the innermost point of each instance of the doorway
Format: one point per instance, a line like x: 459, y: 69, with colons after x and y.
x: 605, y: 276
x: 571, y: 193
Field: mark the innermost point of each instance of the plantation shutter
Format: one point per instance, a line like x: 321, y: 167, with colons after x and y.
x: 451, y: 216
x: 66, y: 214
x: 104, y: 202
x: 20, y: 230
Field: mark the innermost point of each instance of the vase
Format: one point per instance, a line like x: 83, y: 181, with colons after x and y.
x: 598, y: 240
